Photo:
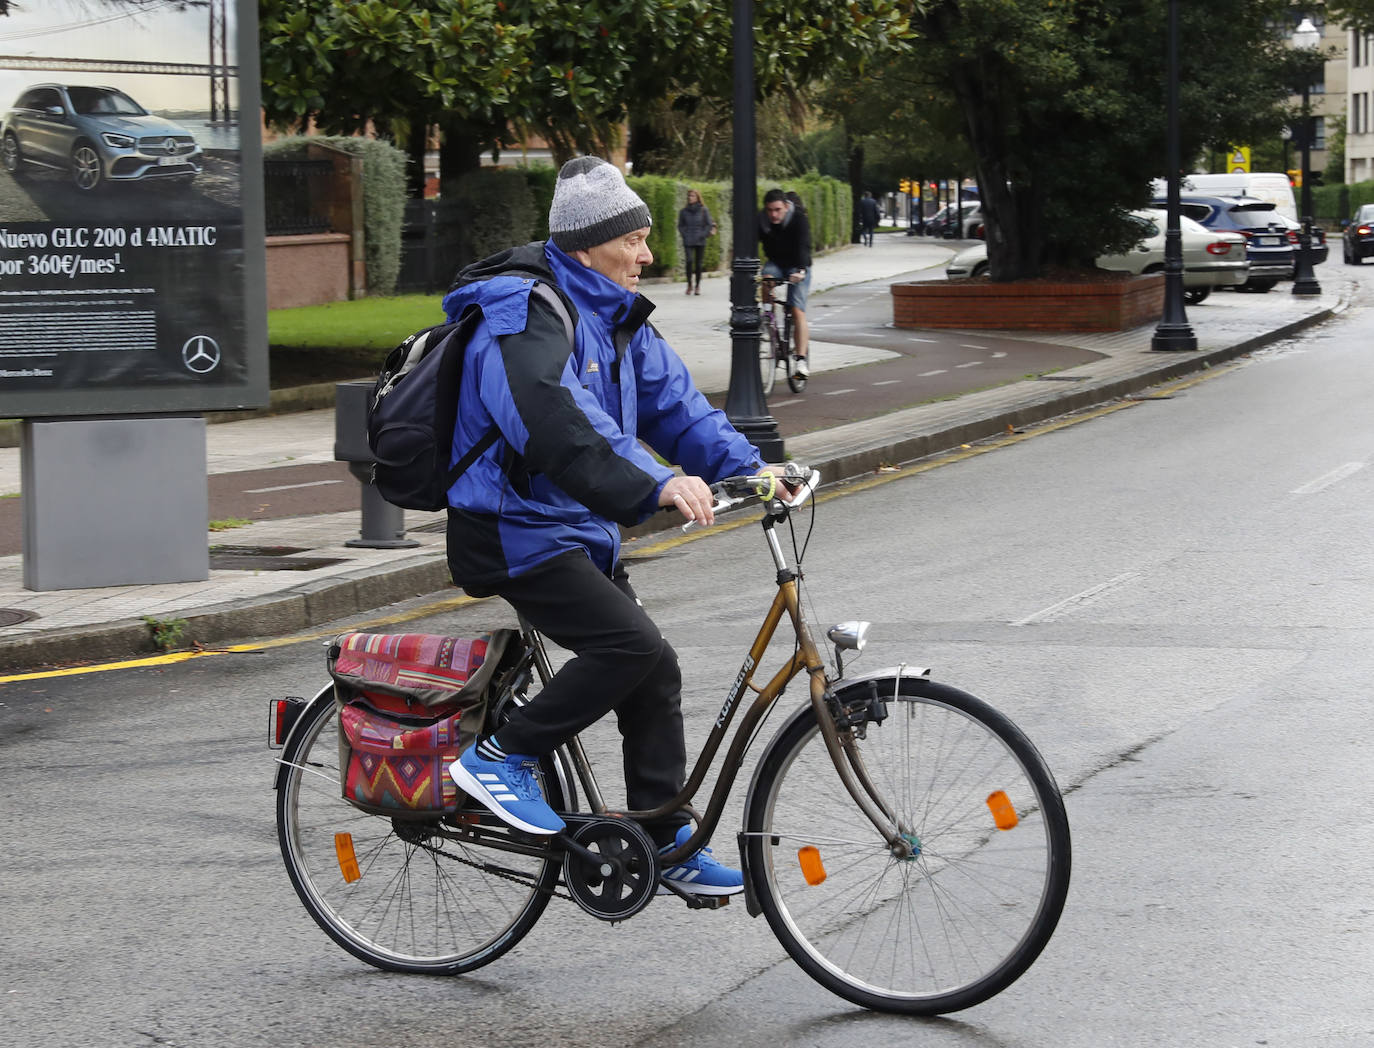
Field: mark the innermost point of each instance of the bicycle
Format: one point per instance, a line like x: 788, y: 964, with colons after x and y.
x: 775, y: 348
x: 905, y: 842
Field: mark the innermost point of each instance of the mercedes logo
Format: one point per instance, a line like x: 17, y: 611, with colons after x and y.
x: 171, y: 146
x: 200, y: 354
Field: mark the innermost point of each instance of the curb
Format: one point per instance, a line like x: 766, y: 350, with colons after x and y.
x: 313, y: 603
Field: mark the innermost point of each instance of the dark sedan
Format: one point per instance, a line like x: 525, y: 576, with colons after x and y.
x: 1357, y: 242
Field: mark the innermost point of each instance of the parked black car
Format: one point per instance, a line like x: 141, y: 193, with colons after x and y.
x: 1357, y: 242
x: 1269, y: 247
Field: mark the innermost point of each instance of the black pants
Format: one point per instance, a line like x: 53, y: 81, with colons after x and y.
x: 694, y: 255
x: 621, y: 662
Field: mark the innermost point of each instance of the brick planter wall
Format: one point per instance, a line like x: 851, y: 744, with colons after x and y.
x: 1107, y: 306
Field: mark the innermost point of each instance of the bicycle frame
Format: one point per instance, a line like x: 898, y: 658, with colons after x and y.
x: 771, y: 307
x: 806, y: 656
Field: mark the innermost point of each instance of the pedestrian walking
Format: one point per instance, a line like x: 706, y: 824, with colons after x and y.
x: 694, y: 225
x: 868, y: 217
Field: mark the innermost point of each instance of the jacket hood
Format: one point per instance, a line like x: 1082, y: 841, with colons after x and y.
x: 527, y: 258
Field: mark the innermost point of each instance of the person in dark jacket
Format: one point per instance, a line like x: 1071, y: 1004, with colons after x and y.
x: 785, y: 236
x: 694, y: 225
x: 868, y: 217
x: 534, y: 520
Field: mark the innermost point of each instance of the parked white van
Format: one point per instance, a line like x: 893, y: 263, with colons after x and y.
x: 1271, y: 186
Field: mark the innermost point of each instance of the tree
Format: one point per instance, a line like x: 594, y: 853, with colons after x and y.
x: 568, y: 70
x: 1357, y: 15
x: 1062, y: 104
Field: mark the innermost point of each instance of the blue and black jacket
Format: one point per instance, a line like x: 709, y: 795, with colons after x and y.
x: 568, y: 466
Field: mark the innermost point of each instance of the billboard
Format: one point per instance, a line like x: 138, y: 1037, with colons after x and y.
x: 131, y: 239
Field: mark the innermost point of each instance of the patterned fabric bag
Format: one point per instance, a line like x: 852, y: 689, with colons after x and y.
x: 408, y: 704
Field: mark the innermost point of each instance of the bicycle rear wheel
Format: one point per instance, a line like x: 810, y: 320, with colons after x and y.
x: 768, y: 355
x: 969, y: 911
x: 419, y: 900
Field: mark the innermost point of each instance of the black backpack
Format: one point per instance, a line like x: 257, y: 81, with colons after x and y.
x: 414, y: 408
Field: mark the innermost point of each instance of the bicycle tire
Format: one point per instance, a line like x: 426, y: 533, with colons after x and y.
x: 954, y: 924
x: 768, y: 355
x: 412, y: 909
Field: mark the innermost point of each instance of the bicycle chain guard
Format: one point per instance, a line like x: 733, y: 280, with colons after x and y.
x: 625, y: 876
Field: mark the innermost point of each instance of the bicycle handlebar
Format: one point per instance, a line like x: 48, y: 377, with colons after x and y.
x: 734, y: 491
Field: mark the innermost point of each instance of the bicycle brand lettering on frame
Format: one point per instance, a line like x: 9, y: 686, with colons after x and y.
x: 736, y: 690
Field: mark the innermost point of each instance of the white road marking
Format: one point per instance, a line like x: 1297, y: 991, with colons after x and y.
x: 1334, y: 477
x: 996, y: 355
x: 837, y: 392
x: 932, y: 341
x: 969, y: 345
x: 970, y: 364
x: 926, y: 374
x: 288, y: 487
x: 888, y: 382
x: 1077, y: 600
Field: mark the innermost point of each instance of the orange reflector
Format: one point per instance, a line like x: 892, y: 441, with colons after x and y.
x: 1003, y: 814
x: 812, y: 868
x: 348, y: 862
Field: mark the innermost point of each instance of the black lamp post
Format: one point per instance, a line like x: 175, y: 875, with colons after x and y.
x: 1306, y: 37
x: 1173, y: 331
x: 744, y: 403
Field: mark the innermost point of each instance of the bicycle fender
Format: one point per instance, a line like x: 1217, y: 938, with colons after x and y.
x: 841, y: 689
x: 325, y: 694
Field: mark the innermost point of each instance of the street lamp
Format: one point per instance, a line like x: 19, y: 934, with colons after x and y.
x: 744, y: 403
x: 1306, y: 37
x: 1173, y: 331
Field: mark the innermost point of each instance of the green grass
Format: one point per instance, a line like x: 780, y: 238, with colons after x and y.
x: 364, y: 323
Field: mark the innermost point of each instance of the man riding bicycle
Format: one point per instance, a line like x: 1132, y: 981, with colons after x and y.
x: 785, y: 236
x: 534, y: 520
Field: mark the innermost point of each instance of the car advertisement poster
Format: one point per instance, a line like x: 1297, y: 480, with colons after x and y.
x: 131, y: 243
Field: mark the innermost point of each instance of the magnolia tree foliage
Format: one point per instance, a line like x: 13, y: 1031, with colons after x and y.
x: 568, y: 71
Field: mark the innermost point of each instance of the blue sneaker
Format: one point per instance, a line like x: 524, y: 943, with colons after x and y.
x: 508, y: 788
x: 700, y: 874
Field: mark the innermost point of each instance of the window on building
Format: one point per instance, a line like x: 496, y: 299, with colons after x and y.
x: 1319, y: 132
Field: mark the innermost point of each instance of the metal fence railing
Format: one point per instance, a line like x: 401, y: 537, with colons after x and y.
x: 431, y: 245
x: 296, y: 196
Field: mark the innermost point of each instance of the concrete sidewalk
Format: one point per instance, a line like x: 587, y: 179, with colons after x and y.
x: 232, y: 605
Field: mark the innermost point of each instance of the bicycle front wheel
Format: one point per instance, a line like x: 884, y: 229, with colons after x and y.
x: 768, y: 357
x: 403, y: 895
x: 967, y: 912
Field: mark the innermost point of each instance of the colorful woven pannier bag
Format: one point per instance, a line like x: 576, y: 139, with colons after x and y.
x: 408, y: 704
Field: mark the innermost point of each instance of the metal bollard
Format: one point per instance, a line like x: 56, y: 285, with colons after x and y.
x: 383, y: 525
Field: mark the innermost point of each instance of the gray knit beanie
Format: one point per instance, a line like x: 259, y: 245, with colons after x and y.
x: 592, y: 204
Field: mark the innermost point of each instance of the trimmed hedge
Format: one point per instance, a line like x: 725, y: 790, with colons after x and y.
x: 384, y: 199
x: 1331, y: 205
x: 496, y: 210
x: 827, y: 203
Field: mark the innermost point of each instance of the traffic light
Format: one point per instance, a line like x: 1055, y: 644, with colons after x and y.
x: 1295, y: 178
x: 905, y: 186
x: 1314, y: 178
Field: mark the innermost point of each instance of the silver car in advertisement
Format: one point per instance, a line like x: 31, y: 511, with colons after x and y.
x: 95, y: 135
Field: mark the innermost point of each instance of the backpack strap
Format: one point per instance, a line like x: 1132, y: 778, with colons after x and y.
x: 555, y: 300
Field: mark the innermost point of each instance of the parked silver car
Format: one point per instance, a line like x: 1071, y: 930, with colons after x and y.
x: 1211, y: 258
x: 96, y: 134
